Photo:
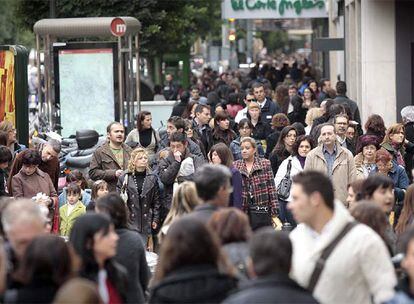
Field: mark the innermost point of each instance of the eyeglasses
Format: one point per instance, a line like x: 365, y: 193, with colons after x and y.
x: 250, y: 100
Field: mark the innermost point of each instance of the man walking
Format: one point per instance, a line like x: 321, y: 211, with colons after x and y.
x: 334, y: 161
x: 111, y: 159
x: 267, y: 107
x: 341, y: 122
x: 342, y: 99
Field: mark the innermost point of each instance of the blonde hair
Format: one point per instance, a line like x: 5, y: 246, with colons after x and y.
x: 138, y: 152
x: 312, y: 114
x: 394, y: 129
x: 6, y: 126
x: 250, y: 140
x: 184, y: 200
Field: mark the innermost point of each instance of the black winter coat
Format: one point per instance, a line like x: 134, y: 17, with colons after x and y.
x: 196, y: 284
x: 131, y: 255
x: 145, y: 208
x: 271, y: 289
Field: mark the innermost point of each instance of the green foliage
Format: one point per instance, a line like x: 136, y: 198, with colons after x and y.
x: 167, y: 25
x: 275, y: 40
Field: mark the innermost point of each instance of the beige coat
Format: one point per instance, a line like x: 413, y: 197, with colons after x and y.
x: 343, y: 170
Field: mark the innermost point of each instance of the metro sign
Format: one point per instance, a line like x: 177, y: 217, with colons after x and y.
x: 118, y: 27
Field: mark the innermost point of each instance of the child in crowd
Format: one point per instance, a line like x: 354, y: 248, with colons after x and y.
x: 76, y: 177
x: 99, y: 189
x: 70, y: 211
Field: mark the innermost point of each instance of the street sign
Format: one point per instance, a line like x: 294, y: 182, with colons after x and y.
x: 118, y: 27
x: 273, y: 9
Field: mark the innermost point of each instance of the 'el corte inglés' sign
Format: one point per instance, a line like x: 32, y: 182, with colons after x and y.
x: 273, y: 9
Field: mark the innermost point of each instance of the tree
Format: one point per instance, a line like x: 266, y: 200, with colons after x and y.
x: 167, y: 26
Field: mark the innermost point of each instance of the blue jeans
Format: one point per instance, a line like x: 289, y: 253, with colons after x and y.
x: 285, y: 215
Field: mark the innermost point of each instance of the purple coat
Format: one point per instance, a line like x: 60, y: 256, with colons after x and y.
x: 236, y: 196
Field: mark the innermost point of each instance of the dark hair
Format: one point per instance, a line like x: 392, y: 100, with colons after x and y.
x: 243, y: 122
x: 375, y: 125
x: 113, y: 205
x: 5, y: 155
x: 188, y: 108
x: 98, y: 185
x: 220, y: 116
x: 299, y: 140
x: 314, y: 181
x: 341, y: 116
x: 231, y: 225
x: 280, y: 147
x: 187, y: 243
x: 407, y: 211
x: 370, y: 214
x: 313, y: 95
x: 334, y: 110
x: 257, y: 85
x: 300, y: 129
x: 271, y: 252
x: 77, y: 176
x: 178, y: 122
x: 73, y: 188
x: 4, y: 138
x: 31, y: 157
x: 200, y: 107
x: 140, y: 118
x: 209, y: 179
x: 185, y: 96
x: 341, y: 87
x: 108, y: 128
x: 157, y: 89
x: 178, y: 137
x: 224, y: 153
x: 322, y: 82
x: 82, y: 239
x: 47, y: 260
x: 372, y: 183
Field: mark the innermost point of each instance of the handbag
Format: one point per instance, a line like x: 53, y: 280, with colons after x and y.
x: 283, y: 189
x: 124, y: 192
x: 259, y: 215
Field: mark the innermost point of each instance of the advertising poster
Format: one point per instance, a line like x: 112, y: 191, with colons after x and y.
x: 7, y: 97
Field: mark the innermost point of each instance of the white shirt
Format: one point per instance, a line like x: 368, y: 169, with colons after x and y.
x: 102, y: 287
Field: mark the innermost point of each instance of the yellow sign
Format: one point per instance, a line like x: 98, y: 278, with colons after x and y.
x: 7, y: 99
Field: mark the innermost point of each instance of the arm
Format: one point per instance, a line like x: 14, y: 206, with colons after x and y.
x: 274, y: 203
x: 96, y: 172
x: 156, y: 203
x: 168, y: 172
x: 17, y: 187
x: 352, y: 175
x: 281, y: 172
x: 237, y: 189
x: 16, y: 166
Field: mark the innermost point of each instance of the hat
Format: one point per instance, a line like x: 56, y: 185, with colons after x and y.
x: 366, y: 140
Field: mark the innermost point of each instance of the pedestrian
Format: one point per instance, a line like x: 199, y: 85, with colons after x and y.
x: 189, y: 112
x: 178, y: 166
x: 233, y: 230
x: 201, y: 127
x: 144, y: 135
x: 267, y: 106
x: 395, y: 143
x: 22, y: 221
x: 365, y: 163
x: 375, y: 126
x: 170, y: 90
x: 33, y: 183
x: 190, y: 267
x: 77, y: 177
x: 311, y: 115
x: 342, y: 99
x: 325, y: 85
x: 245, y: 130
x: 259, y: 191
x: 334, y: 161
x: 179, y: 108
x: 291, y: 166
x: 71, y: 210
x: 354, y: 189
x: 49, y: 164
x: 130, y: 251
x: 269, y: 265
x: 261, y: 129
x: 12, y: 143
x: 406, y: 219
x: 185, y: 200
x: 213, y: 184
x: 46, y: 265
x: 407, y: 115
x: 5, y: 158
x: 279, y: 121
x: 379, y: 189
x: 99, y: 189
x: 241, y: 114
x: 309, y: 99
x: 341, y: 122
x: 111, y: 159
x: 222, y: 132
x: 139, y: 187
x: 283, y: 148
x: 349, y: 272
x: 220, y: 154
x: 94, y: 241
x: 299, y: 110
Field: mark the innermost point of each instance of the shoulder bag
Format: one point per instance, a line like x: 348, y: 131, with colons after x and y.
x: 124, y: 191
x: 283, y: 189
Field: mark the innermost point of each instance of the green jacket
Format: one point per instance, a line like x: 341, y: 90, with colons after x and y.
x: 66, y: 222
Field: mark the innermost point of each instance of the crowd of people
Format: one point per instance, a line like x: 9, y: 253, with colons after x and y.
x: 240, y: 159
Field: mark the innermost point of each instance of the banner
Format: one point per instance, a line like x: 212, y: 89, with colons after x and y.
x: 273, y: 9
x: 7, y: 86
